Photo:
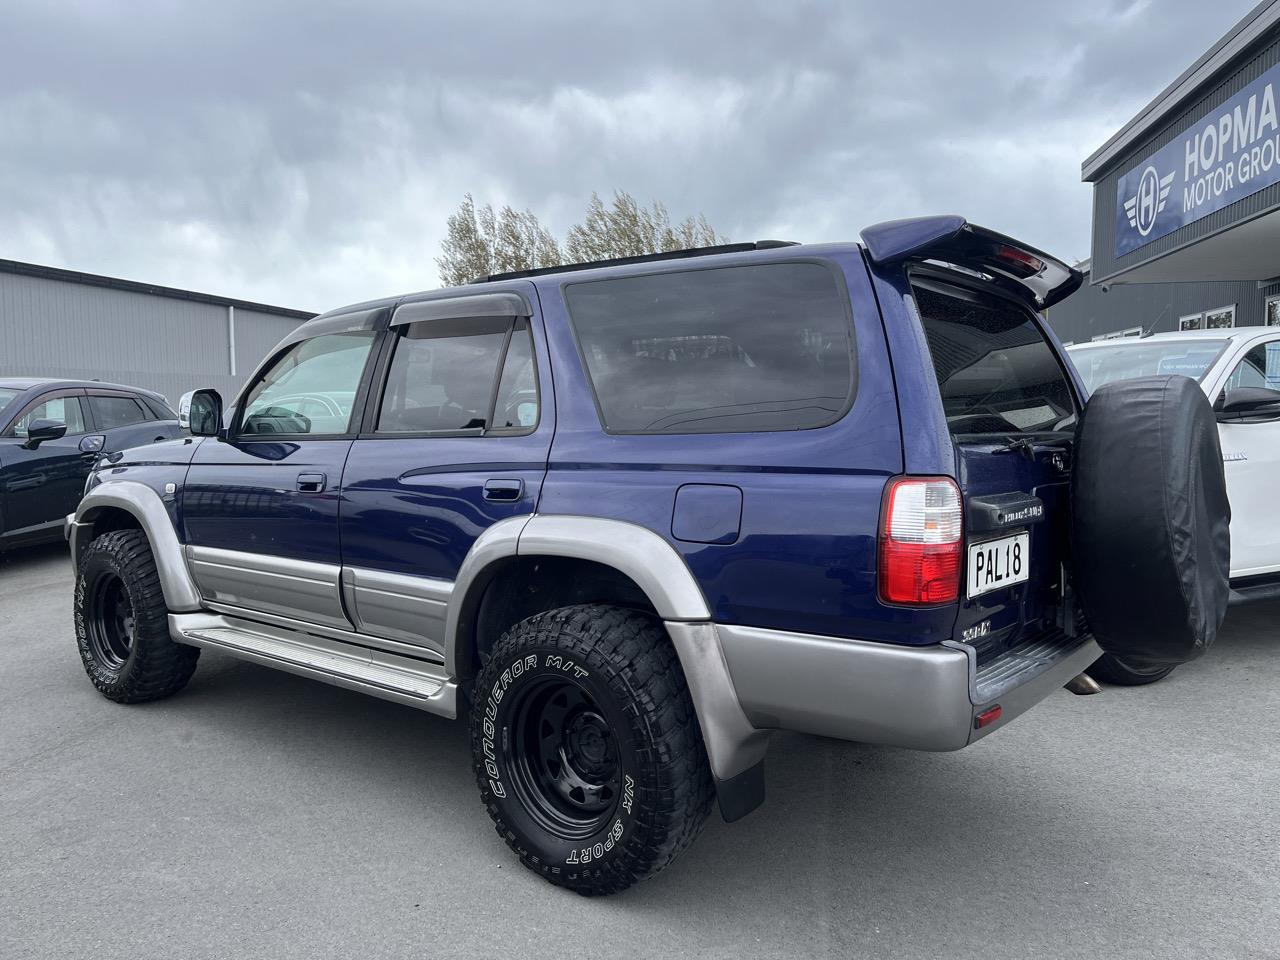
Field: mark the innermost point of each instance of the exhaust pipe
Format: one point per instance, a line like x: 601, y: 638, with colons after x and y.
x: 1082, y: 685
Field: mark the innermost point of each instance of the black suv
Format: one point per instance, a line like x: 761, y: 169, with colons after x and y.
x: 51, y: 434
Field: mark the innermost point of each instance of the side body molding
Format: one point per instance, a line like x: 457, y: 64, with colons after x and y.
x: 139, y: 500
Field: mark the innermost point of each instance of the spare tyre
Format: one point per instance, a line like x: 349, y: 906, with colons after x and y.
x: 1150, y: 520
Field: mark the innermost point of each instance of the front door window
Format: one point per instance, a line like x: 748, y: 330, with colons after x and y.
x: 310, y: 389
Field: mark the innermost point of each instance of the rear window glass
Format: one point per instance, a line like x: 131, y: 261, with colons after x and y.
x: 732, y: 349
x: 160, y: 408
x: 1144, y: 358
x: 996, y: 372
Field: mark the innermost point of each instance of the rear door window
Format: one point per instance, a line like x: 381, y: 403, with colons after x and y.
x: 109, y: 412
x: 996, y: 371
x: 725, y: 350
x: 467, y: 375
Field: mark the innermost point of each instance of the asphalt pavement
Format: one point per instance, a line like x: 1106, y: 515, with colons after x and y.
x: 258, y: 814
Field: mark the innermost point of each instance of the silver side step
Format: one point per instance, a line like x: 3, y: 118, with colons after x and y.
x: 413, y: 682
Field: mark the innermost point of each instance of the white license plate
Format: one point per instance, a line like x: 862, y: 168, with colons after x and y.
x: 995, y: 564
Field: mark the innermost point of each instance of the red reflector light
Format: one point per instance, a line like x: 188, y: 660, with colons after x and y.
x: 921, y: 540
x: 987, y: 717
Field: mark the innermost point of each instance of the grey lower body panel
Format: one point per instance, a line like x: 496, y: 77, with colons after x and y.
x: 397, y: 607
x: 260, y: 581
x: 924, y: 698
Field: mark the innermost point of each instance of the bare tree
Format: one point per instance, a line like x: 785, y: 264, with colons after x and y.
x: 627, y: 229
x: 479, y: 242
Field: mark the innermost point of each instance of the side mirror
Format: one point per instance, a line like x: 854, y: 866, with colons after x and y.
x: 200, y: 411
x: 1247, y: 402
x: 38, y: 431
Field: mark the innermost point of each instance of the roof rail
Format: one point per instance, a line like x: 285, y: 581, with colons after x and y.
x: 646, y: 258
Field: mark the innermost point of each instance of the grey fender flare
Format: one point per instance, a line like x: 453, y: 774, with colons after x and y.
x: 145, y: 505
x: 734, y: 746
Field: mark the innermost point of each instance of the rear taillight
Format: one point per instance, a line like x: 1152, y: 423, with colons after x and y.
x: 921, y: 541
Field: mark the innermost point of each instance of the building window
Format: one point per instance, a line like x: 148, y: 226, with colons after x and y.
x: 1119, y: 334
x: 1221, y: 318
x: 1193, y: 321
x: 1272, y: 311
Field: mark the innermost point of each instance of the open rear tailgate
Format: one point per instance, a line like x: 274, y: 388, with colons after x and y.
x: 1024, y: 270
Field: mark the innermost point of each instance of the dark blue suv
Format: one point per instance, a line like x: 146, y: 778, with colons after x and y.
x: 639, y: 513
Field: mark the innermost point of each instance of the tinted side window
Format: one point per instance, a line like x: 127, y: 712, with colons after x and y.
x: 109, y: 412
x: 311, y: 388
x: 442, y: 375
x: 996, y: 371
x: 60, y: 409
x: 1259, y: 368
x: 725, y: 350
x: 516, y: 406
x: 158, y: 408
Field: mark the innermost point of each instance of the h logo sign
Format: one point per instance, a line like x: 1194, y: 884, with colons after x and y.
x: 1143, y: 208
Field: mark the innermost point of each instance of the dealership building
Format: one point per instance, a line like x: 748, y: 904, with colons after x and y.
x: 61, y: 323
x: 1186, y: 200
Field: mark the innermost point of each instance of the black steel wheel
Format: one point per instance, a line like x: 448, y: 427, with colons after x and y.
x: 587, y: 749
x: 122, y: 622
x: 110, y: 623
x: 563, y: 758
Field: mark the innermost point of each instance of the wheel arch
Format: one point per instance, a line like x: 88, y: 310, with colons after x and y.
x: 122, y: 504
x: 622, y: 555
x: 634, y: 553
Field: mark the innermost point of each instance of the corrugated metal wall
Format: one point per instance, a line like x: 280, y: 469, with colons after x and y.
x: 59, y: 328
x: 1105, y: 262
x: 1089, y: 312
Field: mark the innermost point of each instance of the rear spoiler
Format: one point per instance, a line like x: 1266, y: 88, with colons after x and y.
x: 1042, y: 279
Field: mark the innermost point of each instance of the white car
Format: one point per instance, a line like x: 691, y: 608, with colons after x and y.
x: 1239, y: 371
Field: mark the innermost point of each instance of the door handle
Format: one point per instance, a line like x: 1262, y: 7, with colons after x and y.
x: 503, y: 491
x: 311, y: 482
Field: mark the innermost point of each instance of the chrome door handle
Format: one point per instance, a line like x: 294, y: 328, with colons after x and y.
x: 503, y: 491
x: 311, y: 482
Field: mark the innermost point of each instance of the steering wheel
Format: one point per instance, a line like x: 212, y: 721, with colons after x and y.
x: 293, y: 421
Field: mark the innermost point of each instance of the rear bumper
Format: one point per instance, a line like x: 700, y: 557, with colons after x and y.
x: 924, y: 698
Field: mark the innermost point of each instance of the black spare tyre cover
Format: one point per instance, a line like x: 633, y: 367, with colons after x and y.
x: 1150, y: 520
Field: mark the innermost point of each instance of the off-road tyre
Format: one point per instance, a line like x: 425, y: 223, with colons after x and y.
x: 129, y: 658
x: 1109, y: 668
x: 562, y: 696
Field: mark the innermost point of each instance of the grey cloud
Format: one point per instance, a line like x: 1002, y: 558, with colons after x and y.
x: 308, y: 153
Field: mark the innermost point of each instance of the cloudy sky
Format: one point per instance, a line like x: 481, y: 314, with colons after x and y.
x: 307, y: 153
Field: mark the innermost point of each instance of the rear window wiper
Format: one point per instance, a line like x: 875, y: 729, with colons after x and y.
x: 1026, y: 445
